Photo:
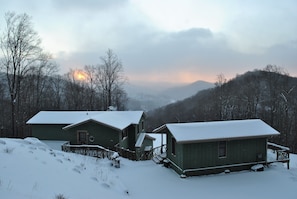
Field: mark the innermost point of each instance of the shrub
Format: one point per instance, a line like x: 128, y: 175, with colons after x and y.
x: 60, y: 196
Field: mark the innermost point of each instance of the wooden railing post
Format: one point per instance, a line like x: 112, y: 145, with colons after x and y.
x: 288, y: 163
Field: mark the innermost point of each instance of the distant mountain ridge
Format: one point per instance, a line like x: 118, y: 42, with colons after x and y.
x: 152, y: 96
x: 185, y: 91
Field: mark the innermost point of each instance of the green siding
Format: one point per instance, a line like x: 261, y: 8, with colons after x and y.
x: 147, y: 142
x: 201, y: 155
x: 50, y: 132
x: 131, y: 137
x: 178, y: 157
x: 124, y: 143
x: 205, y: 154
x: 140, y: 151
x: 103, y: 135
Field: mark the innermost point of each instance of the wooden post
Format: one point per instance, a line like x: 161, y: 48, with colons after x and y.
x: 288, y: 162
x: 161, y: 143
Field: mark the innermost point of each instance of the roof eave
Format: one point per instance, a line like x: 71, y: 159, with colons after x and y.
x: 92, y: 120
x: 149, y: 137
x: 161, y: 129
x: 221, y: 139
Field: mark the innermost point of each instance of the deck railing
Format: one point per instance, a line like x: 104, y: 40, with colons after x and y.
x: 159, y: 150
x: 89, y: 150
x: 101, y: 152
x: 126, y: 153
x: 282, y: 153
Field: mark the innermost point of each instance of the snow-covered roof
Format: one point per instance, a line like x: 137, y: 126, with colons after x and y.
x: 218, y: 130
x: 140, y: 140
x: 116, y: 119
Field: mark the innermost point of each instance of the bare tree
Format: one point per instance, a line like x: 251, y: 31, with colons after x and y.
x: 36, y: 86
x: 223, y: 97
x: 110, y: 77
x: 20, y: 47
x: 90, y: 71
x: 57, y: 86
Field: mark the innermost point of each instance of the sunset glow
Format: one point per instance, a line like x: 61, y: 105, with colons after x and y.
x: 80, y: 75
x: 173, y: 77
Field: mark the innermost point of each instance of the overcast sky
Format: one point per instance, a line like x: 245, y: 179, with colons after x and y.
x: 167, y: 40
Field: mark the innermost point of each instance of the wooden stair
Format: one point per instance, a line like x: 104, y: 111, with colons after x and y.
x: 158, y: 159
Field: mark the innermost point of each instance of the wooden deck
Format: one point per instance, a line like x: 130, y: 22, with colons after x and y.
x: 89, y: 150
x: 126, y: 153
x: 282, y: 154
x: 94, y: 151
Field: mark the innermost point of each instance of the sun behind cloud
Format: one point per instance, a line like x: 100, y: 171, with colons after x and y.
x: 80, y: 75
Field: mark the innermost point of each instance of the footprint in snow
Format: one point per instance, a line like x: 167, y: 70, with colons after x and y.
x: 42, y: 148
x: 76, y: 170
x: 105, y: 185
x: 53, y: 153
x: 60, y: 154
x: 67, y: 159
x: 32, y: 148
x: 94, y: 178
x: 79, y: 168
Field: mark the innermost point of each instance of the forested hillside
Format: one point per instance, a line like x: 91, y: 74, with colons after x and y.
x: 268, y: 94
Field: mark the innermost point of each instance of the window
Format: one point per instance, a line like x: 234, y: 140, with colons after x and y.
x: 173, y: 143
x: 222, y: 149
x: 124, y: 133
x: 82, y: 137
x: 142, y: 125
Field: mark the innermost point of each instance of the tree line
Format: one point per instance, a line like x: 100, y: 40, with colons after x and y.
x: 269, y: 94
x: 29, y: 79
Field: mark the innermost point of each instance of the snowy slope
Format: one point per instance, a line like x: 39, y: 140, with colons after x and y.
x: 30, y: 169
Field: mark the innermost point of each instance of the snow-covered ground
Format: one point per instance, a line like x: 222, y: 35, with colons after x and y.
x: 30, y: 169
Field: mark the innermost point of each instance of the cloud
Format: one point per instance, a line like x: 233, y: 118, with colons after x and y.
x: 254, y: 26
x: 86, y: 5
x: 240, y: 37
x: 205, y: 55
x: 184, y: 56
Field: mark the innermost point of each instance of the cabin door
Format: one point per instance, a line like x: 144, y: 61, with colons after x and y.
x: 82, y: 137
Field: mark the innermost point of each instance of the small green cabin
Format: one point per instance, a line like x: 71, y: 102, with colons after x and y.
x: 110, y: 129
x: 212, y: 147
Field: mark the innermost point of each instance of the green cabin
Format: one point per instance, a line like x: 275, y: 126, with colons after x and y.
x: 111, y: 129
x: 212, y: 147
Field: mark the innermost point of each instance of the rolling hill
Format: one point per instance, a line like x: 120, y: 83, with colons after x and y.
x: 266, y: 95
